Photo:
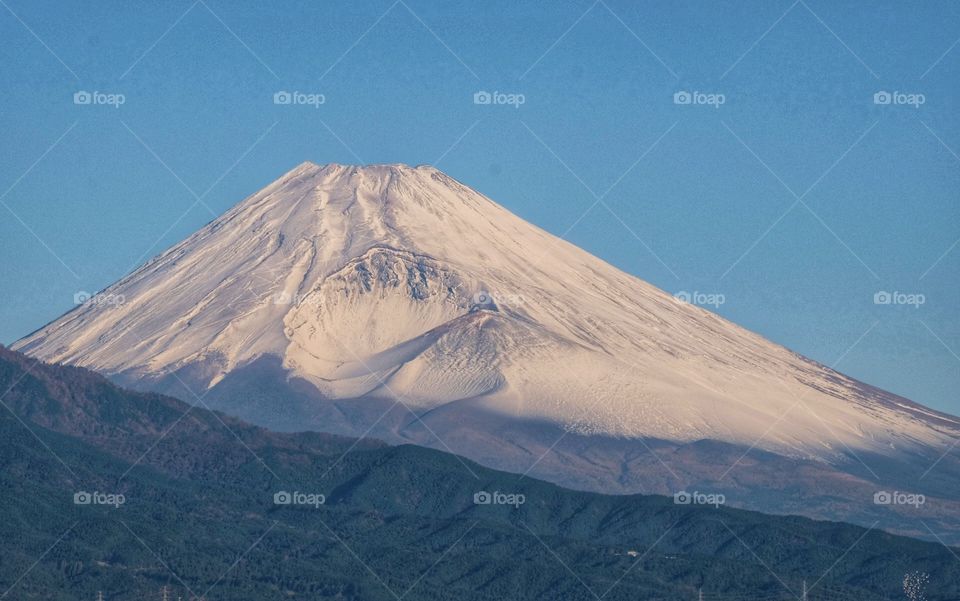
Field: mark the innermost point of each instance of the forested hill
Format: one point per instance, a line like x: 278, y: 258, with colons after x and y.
x: 199, y: 515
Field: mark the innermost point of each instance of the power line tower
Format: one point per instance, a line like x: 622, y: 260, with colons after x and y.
x: 700, y: 594
x: 804, y: 591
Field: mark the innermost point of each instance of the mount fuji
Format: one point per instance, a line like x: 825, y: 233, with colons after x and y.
x: 395, y: 302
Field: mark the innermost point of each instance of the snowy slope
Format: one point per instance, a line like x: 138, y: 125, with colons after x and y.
x: 390, y: 281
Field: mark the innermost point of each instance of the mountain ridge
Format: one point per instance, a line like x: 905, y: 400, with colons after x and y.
x: 383, y: 283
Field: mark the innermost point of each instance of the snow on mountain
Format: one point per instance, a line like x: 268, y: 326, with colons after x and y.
x: 322, y: 300
x: 389, y: 281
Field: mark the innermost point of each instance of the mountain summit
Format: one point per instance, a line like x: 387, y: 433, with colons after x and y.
x: 338, y: 293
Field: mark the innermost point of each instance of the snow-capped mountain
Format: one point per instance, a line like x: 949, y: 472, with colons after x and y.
x: 349, y: 288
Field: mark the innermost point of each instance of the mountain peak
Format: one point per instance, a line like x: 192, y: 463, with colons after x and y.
x: 370, y: 169
x: 362, y: 186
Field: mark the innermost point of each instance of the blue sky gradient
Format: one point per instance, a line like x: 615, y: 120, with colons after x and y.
x: 797, y: 199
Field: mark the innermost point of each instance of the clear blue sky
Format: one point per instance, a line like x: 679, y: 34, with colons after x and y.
x: 96, y: 189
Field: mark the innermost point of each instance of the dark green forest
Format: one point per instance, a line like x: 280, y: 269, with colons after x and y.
x: 199, y: 517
